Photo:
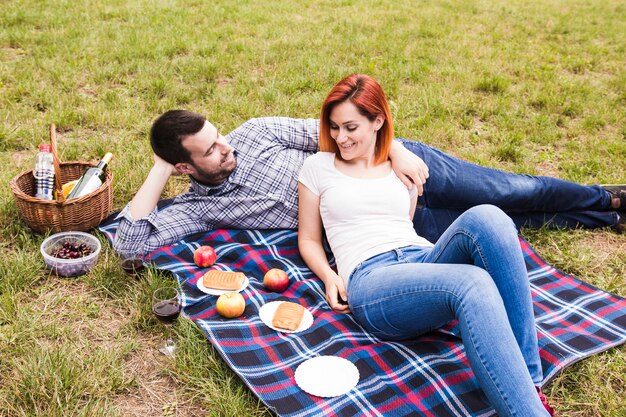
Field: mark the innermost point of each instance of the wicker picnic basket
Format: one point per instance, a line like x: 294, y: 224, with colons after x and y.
x: 76, y: 214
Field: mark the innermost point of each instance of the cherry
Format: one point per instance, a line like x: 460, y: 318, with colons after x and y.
x: 69, y: 250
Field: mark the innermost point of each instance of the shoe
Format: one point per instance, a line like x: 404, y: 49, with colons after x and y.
x: 544, y: 401
x: 621, y: 223
x: 618, y: 196
x: 613, y: 188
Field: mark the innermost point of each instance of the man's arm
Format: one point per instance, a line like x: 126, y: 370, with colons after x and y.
x: 409, y: 167
x: 301, y: 134
x: 135, y: 220
x: 150, y: 192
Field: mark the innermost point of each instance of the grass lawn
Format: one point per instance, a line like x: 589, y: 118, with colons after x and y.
x: 528, y: 86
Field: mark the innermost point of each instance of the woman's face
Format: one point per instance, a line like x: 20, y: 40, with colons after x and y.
x: 354, y: 133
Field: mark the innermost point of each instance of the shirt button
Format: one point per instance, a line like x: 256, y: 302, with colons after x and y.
x: 270, y: 195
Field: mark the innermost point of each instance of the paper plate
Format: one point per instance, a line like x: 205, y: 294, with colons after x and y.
x: 327, y: 376
x: 267, y: 315
x: 212, y: 291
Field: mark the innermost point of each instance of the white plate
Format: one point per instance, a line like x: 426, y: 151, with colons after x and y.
x: 327, y: 376
x: 267, y: 315
x: 213, y: 291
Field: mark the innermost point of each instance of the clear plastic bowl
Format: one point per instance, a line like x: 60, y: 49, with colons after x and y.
x: 70, y: 267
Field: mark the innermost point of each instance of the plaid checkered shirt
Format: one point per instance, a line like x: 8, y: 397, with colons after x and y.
x: 261, y: 193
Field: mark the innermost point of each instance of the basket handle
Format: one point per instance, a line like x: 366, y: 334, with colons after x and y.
x: 57, y: 164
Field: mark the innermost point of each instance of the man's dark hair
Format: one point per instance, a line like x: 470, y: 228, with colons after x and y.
x: 168, y: 131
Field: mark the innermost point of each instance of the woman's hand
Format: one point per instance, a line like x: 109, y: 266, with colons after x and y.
x: 409, y: 167
x: 336, y: 294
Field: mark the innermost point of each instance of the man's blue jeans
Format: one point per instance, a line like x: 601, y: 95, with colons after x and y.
x: 531, y: 201
x: 475, y: 274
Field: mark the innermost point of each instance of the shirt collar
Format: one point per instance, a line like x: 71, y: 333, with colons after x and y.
x: 203, y: 189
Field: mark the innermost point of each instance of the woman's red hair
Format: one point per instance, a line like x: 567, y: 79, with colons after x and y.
x: 369, y: 98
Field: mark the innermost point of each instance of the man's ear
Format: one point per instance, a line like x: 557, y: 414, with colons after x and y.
x: 184, y: 168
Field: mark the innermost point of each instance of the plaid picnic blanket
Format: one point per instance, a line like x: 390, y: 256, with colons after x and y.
x: 428, y: 376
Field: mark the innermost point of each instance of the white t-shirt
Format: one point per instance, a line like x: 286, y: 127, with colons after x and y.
x: 362, y: 217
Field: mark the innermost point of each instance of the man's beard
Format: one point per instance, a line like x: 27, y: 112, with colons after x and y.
x: 219, y: 174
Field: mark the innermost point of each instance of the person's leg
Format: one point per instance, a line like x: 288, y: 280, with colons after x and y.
x: 486, y: 237
x: 395, y: 298
x: 457, y: 184
x: 431, y: 223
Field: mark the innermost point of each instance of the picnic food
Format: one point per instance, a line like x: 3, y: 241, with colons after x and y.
x: 68, y: 187
x: 223, y: 280
x: 69, y: 250
x: 204, y: 256
x: 276, y: 280
x: 70, y: 254
x: 288, y: 316
x: 230, y: 305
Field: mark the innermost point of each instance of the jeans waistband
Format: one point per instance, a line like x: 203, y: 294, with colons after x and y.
x: 400, y: 254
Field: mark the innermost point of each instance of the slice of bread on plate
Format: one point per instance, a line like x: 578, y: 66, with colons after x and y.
x: 223, y: 280
x: 288, y: 316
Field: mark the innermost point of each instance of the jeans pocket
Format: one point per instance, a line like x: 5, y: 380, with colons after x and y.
x: 354, y: 273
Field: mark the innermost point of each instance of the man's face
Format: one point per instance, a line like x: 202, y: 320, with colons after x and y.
x: 212, y: 159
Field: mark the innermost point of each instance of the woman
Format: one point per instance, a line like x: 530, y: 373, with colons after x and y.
x: 397, y: 284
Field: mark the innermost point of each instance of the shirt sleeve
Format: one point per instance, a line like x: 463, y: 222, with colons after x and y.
x: 131, y: 235
x: 300, y: 134
x: 156, y: 230
x: 309, y: 174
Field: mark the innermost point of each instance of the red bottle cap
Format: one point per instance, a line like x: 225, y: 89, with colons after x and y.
x: 45, y: 147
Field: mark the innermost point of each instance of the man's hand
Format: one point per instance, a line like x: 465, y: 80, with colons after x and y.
x: 163, y: 166
x: 336, y: 295
x: 409, y: 167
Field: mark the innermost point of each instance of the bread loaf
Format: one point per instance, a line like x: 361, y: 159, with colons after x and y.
x: 223, y: 280
x: 288, y: 316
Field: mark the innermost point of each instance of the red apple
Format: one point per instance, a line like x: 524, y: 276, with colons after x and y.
x: 230, y: 305
x: 276, y: 280
x: 204, y: 256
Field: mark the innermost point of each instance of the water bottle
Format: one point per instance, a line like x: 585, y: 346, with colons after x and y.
x: 44, y: 173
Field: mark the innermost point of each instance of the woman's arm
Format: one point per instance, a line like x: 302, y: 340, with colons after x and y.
x: 310, y: 245
x: 413, y: 206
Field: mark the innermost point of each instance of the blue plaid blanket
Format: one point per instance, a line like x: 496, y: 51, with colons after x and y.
x: 428, y: 376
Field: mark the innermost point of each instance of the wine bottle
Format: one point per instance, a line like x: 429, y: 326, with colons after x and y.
x: 92, y: 179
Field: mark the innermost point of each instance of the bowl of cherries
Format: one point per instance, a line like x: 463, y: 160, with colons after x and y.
x: 70, y: 254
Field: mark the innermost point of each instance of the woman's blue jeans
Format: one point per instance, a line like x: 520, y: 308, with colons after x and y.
x: 475, y: 274
x: 531, y: 201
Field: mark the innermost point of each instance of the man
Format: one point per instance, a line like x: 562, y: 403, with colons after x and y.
x: 248, y: 180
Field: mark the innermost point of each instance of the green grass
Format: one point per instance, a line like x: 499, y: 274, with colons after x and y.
x: 532, y: 86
